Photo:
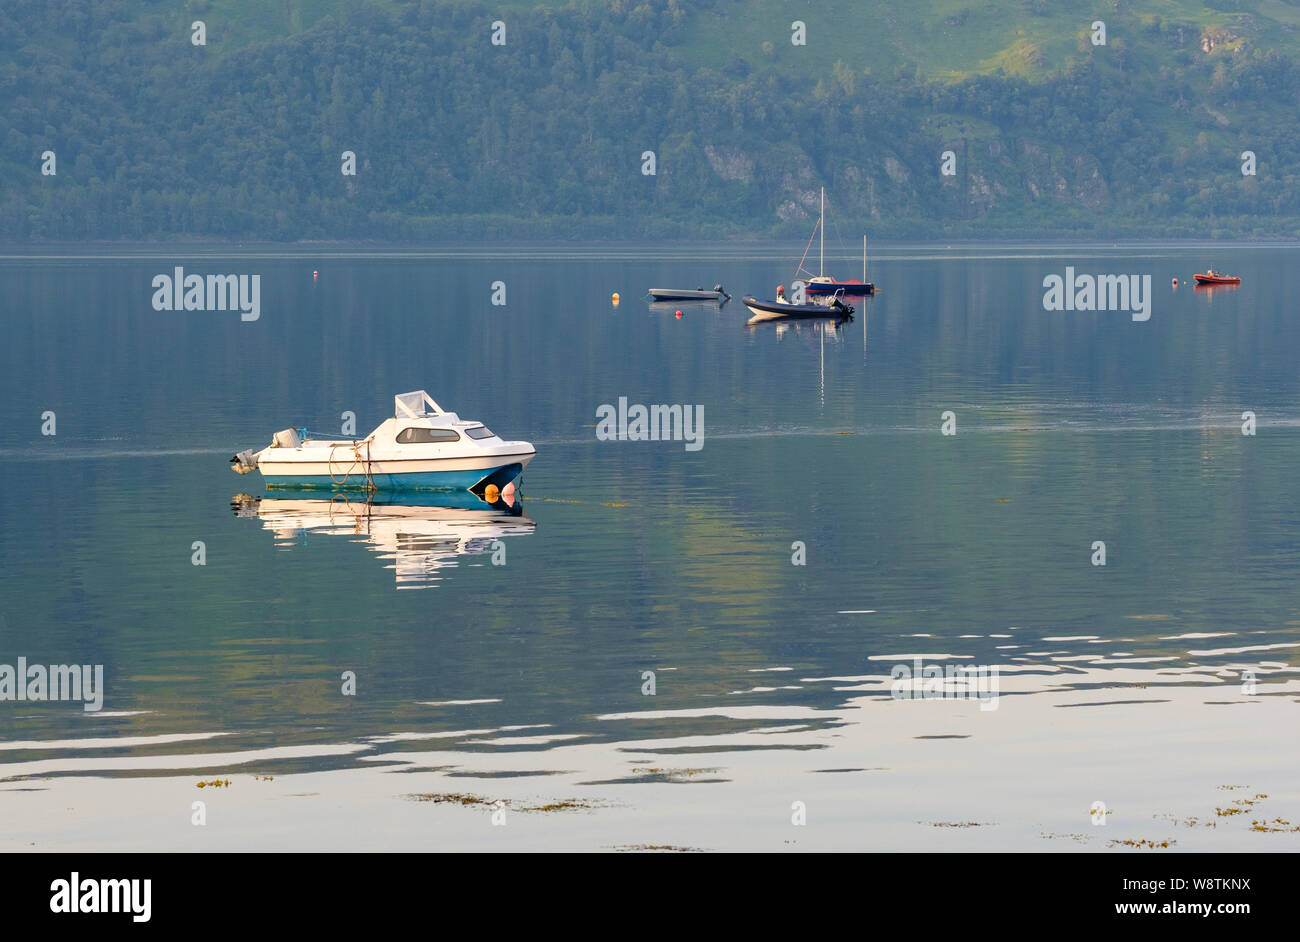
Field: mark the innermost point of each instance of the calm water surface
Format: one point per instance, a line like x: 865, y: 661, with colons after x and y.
x: 523, y: 682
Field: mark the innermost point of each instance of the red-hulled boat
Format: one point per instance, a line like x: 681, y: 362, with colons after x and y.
x: 1213, y: 277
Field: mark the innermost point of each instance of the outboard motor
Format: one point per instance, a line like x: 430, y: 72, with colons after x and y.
x: 244, y: 462
x: 722, y: 291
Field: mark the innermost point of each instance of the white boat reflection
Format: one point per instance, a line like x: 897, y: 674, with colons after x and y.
x: 422, y: 534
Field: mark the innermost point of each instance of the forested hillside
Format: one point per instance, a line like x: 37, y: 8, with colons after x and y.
x: 456, y: 137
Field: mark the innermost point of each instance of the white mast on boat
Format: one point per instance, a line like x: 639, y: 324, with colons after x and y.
x: 821, y: 224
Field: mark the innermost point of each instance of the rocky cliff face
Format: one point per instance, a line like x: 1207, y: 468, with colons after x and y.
x: 990, y: 174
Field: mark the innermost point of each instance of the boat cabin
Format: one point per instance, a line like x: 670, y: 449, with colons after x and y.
x: 418, y: 420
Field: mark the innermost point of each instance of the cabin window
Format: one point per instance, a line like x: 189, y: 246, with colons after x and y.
x: 426, y: 436
x: 481, y: 431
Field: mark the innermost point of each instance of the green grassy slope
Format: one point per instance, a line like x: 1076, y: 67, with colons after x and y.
x: 954, y: 39
x: 940, y: 39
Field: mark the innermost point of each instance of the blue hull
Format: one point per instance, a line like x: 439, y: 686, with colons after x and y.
x: 420, y: 481
x: 860, y: 288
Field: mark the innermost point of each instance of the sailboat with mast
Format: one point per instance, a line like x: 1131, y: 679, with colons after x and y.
x: 822, y: 283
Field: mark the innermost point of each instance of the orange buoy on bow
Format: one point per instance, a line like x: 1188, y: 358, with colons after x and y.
x: 491, y: 493
x: 614, y: 300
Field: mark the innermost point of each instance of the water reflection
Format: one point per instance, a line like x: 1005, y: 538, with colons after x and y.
x: 687, y: 307
x: 1209, y: 291
x: 421, y: 533
x: 807, y: 327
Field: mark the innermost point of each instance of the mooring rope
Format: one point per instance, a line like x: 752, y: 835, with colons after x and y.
x: 329, y: 466
x: 356, y: 459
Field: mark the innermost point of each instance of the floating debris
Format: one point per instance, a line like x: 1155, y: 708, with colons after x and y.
x: 689, y: 773
x: 1239, y: 806
x: 660, y: 848
x: 215, y: 783
x: 644, y: 775
x: 1140, y: 843
x: 448, y: 798
x: 470, y: 801
x: 568, y: 804
x: 1276, y: 825
x: 1077, y: 838
x: 1185, y: 822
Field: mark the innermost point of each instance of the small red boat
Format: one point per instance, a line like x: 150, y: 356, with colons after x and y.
x: 1213, y: 277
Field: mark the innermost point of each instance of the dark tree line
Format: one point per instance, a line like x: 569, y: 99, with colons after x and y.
x: 457, y: 138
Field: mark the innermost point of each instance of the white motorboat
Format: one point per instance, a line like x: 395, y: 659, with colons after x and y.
x: 420, y: 447
x: 690, y: 294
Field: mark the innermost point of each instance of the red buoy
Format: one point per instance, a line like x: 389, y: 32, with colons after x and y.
x: 678, y: 315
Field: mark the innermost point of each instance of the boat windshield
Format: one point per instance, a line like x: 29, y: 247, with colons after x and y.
x: 426, y: 436
x: 481, y: 431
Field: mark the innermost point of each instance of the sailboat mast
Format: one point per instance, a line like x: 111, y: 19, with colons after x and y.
x: 821, y: 269
x: 864, y: 257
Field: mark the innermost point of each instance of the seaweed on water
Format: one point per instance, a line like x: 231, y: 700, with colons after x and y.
x: 470, y: 801
x: 1077, y: 838
x: 1277, y: 825
x: 449, y: 798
